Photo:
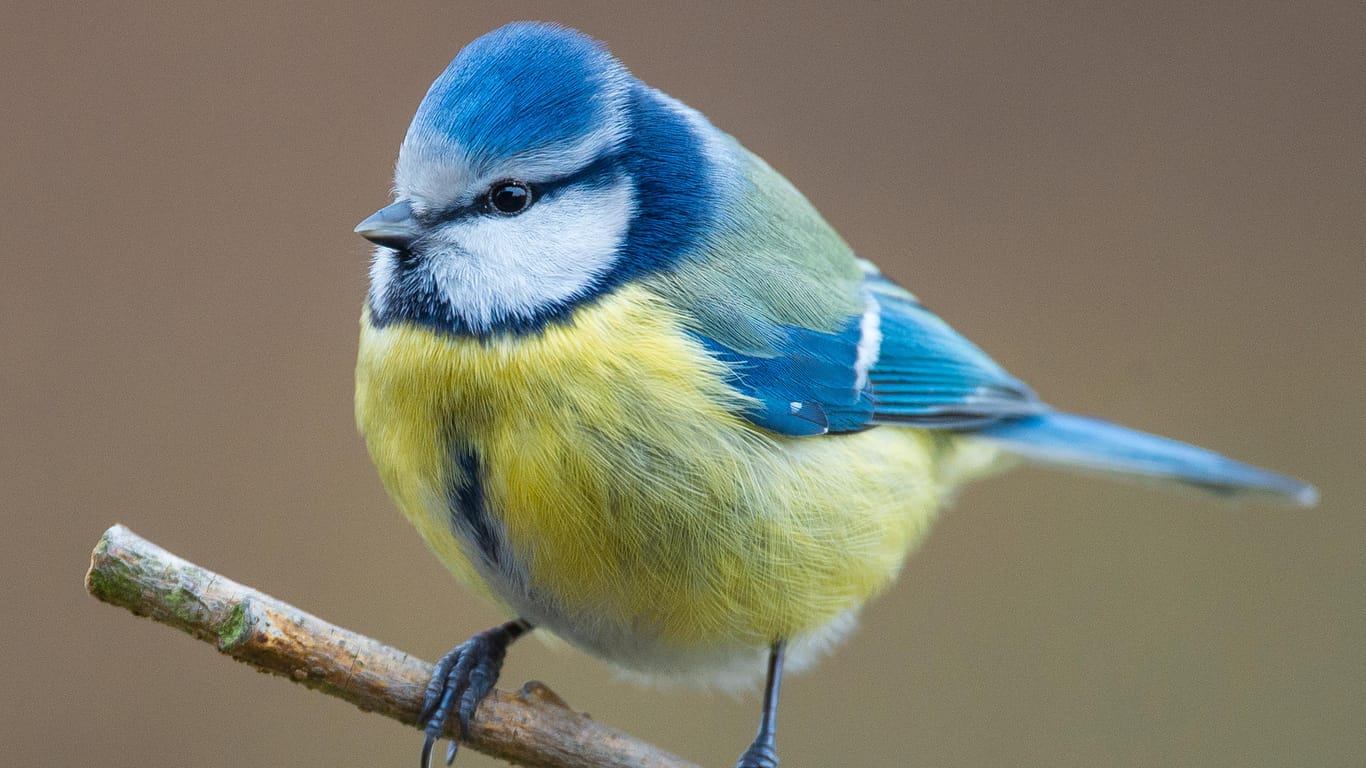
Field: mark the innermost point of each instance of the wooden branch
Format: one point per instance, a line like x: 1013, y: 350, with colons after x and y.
x: 532, y: 727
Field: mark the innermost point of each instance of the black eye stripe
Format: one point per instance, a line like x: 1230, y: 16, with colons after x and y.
x: 601, y: 172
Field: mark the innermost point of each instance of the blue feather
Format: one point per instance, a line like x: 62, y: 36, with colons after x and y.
x: 675, y: 204
x: 529, y: 86
x: 926, y: 375
x: 519, y: 88
x: 808, y: 389
x: 1085, y: 443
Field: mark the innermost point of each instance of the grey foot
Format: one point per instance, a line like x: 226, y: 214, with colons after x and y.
x: 462, y: 679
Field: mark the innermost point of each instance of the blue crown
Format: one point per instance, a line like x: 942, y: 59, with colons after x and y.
x: 521, y: 87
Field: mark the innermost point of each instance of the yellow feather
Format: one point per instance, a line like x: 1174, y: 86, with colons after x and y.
x: 646, y: 517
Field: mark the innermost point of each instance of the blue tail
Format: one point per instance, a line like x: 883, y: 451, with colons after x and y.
x: 1076, y: 441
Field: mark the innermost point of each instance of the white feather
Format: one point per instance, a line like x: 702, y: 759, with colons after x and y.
x: 381, y: 276
x: 869, y: 342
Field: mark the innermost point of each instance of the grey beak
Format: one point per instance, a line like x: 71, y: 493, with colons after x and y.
x: 392, y: 226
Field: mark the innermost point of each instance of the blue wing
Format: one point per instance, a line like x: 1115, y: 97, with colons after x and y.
x: 896, y: 363
x: 822, y: 343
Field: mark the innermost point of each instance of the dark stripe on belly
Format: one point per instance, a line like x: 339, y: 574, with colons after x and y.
x: 469, y: 516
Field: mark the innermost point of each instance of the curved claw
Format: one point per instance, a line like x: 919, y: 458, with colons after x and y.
x: 427, y: 745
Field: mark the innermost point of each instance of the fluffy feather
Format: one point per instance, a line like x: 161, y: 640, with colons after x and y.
x: 648, y: 522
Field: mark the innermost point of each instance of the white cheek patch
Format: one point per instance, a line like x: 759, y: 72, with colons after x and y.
x: 499, y: 267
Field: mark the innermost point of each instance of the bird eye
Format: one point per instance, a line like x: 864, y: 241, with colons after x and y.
x: 509, y: 197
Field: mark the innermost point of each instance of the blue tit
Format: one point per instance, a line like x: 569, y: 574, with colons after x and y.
x: 632, y: 388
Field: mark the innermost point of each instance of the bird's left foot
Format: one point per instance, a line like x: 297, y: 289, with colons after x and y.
x: 759, y: 756
x: 464, y: 677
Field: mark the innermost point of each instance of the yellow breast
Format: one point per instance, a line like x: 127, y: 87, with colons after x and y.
x: 633, y: 510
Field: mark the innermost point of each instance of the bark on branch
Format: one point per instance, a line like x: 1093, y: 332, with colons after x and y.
x: 531, y: 727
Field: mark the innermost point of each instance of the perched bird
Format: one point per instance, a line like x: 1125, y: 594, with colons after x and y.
x: 630, y: 386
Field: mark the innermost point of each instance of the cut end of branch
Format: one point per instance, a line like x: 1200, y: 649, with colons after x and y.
x: 102, y: 580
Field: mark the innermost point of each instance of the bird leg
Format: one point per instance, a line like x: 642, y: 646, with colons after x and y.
x: 763, y: 753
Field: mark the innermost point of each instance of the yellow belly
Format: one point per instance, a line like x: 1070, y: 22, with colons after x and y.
x: 637, y: 516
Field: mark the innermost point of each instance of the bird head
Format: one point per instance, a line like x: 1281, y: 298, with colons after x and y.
x: 537, y: 174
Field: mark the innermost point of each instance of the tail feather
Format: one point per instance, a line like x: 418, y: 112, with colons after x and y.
x: 1066, y: 440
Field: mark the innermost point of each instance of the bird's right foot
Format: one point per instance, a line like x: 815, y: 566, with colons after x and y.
x: 462, y: 679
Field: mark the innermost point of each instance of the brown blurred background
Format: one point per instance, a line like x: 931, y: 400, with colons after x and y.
x: 1156, y: 214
